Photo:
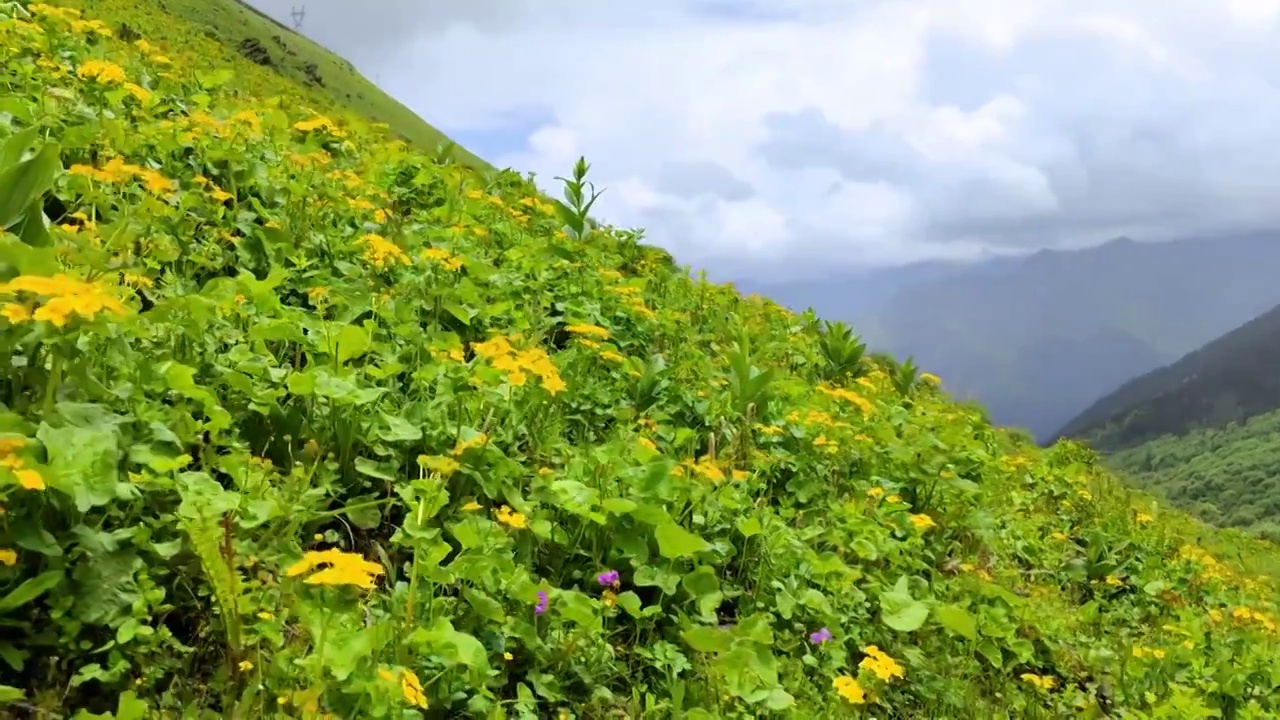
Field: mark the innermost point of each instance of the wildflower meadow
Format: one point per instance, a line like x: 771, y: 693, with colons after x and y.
x: 300, y: 420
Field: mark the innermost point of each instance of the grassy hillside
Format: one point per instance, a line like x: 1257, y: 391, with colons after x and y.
x: 239, y: 30
x: 1228, y: 380
x: 1036, y: 339
x: 301, y: 423
x: 1228, y: 476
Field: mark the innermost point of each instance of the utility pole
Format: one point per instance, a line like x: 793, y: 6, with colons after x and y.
x: 298, y: 14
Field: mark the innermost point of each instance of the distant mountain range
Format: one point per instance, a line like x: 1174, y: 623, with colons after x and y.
x: 1231, y: 379
x: 1037, y: 339
x: 1204, y: 431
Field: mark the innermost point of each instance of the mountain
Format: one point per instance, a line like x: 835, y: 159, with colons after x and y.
x: 1037, y: 338
x: 1226, y: 474
x: 303, y: 422
x: 1203, y: 432
x: 1230, y: 379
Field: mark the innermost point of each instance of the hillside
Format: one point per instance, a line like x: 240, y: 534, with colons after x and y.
x: 1228, y: 476
x: 318, y: 74
x: 1037, y: 339
x: 1230, y: 379
x: 301, y: 422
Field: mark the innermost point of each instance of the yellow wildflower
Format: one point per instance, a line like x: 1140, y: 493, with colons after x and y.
x: 471, y: 506
x: 875, y: 493
x: 884, y: 667
x: 850, y: 689
x: 379, y: 251
x: 8, y: 557
x: 105, y: 72
x: 15, y: 313
x: 588, y: 329
x: 438, y: 463
x: 922, y: 522
x: 412, y: 689
x: 245, y: 665
x: 507, y: 516
x: 344, y: 568
x: 612, y: 356
x: 29, y: 479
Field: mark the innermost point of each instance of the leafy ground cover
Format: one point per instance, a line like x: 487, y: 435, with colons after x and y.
x: 302, y: 423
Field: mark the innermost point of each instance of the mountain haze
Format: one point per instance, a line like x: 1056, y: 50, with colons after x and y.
x: 1037, y: 338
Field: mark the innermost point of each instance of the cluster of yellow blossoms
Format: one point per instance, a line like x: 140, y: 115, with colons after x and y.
x: 118, y: 171
x: 63, y: 297
x: 502, y: 356
x: 410, y: 685
x: 344, y: 568
x: 381, y: 252
x: 27, y: 478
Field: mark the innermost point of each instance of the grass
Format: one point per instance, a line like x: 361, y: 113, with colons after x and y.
x: 302, y: 422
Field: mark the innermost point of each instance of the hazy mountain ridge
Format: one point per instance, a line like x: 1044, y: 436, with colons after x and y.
x: 1230, y: 379
x: 1036, y: 339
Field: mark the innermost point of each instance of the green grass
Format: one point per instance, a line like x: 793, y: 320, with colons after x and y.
x: 230, y: 22
x: 301, y: 422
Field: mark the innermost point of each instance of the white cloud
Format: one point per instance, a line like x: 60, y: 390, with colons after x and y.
x: 746, y: 133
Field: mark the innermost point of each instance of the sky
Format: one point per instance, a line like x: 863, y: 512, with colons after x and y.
x: 761, y: 138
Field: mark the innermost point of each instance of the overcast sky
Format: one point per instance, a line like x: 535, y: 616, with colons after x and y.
x: 752, y: 135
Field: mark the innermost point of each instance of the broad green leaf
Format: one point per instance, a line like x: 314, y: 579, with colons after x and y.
x: 83, y: 462
x: 900, y: 611
x: 707, y: 639
x: 24, y: 183
x: 348, y: 343
x: 676, y: 542
x: 9, y: 694
x: 484, y: 605
x: 957, y: 620
x: 30, y: 589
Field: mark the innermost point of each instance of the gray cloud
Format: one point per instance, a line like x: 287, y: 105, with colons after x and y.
x: 696, y: 178
x: 833, y: 132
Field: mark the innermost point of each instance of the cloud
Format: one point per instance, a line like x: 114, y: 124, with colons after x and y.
x: 754, y: 136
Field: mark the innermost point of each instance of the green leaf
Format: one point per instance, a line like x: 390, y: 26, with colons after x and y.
x: 701, y: 582
x: 578, y: 608
x: 9, y: 694
x: 484, y: 605
x: 900, y: 611
x: 676, y: 542
x: 30, y: 590
x: 26, y: 182
x: 350, y: 342
x: 84, y: 462
x: 130, y: 707
x: 17, y: 145
x: 957, y: 620
x: 398, y: 429
x: 750, y: 526
x: 707, y: 639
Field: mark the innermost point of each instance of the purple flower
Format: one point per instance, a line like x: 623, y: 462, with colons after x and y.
x: 820, y: 637
x: 541, y: 607
x: 609, y: 577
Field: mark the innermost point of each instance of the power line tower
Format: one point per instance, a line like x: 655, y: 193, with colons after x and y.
x: 298, y: 14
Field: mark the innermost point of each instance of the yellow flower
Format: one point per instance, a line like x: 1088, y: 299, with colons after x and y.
x: 15, y: 313
x: 29, y: 479
x: 107, y: 73
x: 875, y: 493
x: 893, y: 499
x: 1143, y: 518
x: 922, y: 522
x: 507, y: 516
x: 139, y: 93
x: 612, y: 356
x: 245, y: 665
x: 412, y: 689
x: 264, y: 615
x: 8, y: 557
x: 380, y: 252
x: 884, y: 667
x: 471, y: 506
x: 438, y: 463
x: 508, y: 656
x: 344, y: 568
x: 850, y: 689
x: 1039, y: 681
x: 588, y: 329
